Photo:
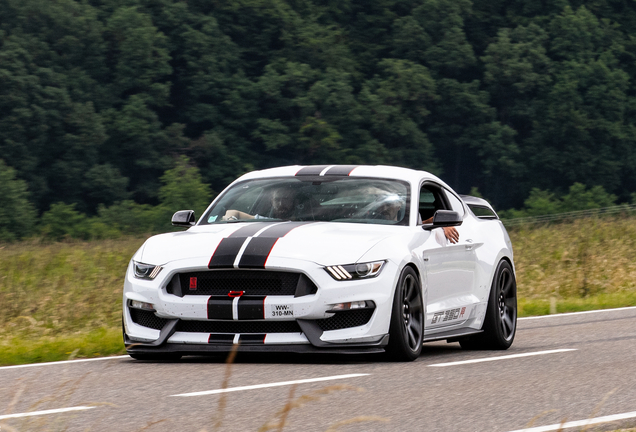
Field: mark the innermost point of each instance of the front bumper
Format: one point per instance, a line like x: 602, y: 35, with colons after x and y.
x: 189, y: 324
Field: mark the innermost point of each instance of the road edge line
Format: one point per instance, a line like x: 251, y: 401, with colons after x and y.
x: 268, y: 385
x: 511, y: 356
x: 577, y: 423
x: 577, y: 313
x: 45, y: 412
x: 62, y: 362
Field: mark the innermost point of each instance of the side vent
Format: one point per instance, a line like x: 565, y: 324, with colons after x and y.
x: 174, y: 286
x: 305, y: 286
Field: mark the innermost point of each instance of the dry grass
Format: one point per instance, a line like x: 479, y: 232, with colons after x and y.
x: 62, y: 288
x: 587, y: 261
x: 59, y: 297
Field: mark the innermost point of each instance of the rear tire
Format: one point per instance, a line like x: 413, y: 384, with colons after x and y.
x: 500, y: 323
x: 406, y: 330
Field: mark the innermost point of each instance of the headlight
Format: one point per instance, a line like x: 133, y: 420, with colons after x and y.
x: 146, y: 271
x: 355, y: 271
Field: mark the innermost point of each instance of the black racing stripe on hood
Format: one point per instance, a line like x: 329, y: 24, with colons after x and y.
x: 250, y: 229
x: 259, y: 248
x: 229, y: 247
x: 281, y: 230
x: 311, y: 170
x: 341, y: 170
x: 226, y: 252
x: 256, y: 252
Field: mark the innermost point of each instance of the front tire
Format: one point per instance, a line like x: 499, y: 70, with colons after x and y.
x: 500, y: 324
x: 406, y: 330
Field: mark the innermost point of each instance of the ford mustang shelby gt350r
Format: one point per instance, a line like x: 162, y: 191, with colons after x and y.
x: 325, y: 258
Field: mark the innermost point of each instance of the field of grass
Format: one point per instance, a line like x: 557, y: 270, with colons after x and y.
x: 63, y: 300
x: 580, y: 265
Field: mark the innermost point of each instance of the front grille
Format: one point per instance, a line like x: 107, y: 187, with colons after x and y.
x: 253, y: 282
x: 147, y: 319
x: 238, y: 326
x: 346, y: 319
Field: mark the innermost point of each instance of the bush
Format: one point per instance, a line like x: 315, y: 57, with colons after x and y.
x: 182, y: 189
x: 541, y: 202
x: 63, y: 221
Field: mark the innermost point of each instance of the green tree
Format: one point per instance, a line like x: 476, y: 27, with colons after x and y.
x: 395, y: 104
x: 183, y: 189
x: 63, y: 221
x: 17, y: 215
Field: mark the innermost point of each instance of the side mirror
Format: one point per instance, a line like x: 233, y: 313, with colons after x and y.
x: 444, y: 218
x: 183, y: 218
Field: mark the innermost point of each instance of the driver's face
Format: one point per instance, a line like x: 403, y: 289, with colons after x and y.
x: 282, y: 203
x: 390, y: 210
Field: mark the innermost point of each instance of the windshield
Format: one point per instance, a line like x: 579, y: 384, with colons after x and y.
x: 355, y: 200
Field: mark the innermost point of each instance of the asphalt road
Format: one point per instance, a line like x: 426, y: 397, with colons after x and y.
x: 560, y: 369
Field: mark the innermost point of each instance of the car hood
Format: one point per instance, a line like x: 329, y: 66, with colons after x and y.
x: 324, y: 243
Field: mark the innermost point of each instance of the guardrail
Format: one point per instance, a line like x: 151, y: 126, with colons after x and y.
x: 624, y: 208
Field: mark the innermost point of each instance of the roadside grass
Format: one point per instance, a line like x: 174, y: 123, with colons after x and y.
x: 586, y: 260
x: 61, y: 300
x: 98, y: 343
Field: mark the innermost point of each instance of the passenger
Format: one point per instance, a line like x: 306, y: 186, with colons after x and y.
x: 391, y: 207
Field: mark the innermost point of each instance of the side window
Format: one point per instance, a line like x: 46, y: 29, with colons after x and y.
x: 431, y: 200
x: 456, y: 204
x: 483, y: 212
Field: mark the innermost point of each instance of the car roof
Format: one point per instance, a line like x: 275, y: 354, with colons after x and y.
x: 380, y: 171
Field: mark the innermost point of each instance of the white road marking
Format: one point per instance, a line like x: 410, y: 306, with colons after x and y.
x: 592, y: 421
x: 487, y: 359
x: 45, y: 412
x: 63, y: 362
x: 577, y: 313
x: 277, y: 384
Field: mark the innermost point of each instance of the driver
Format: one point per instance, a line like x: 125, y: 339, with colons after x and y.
x: 390, y: 209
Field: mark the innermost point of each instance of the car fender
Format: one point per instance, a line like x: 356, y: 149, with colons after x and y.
x: 400, y: 251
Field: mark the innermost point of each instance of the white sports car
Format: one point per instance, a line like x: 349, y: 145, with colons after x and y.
x: 333, y: 258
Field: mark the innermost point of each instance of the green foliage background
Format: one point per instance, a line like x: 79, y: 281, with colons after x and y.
x: 101, y: 98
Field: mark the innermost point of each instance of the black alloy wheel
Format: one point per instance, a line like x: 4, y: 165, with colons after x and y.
x: 507, y: 303
x: 500, y: 324
x: 406, y: 330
